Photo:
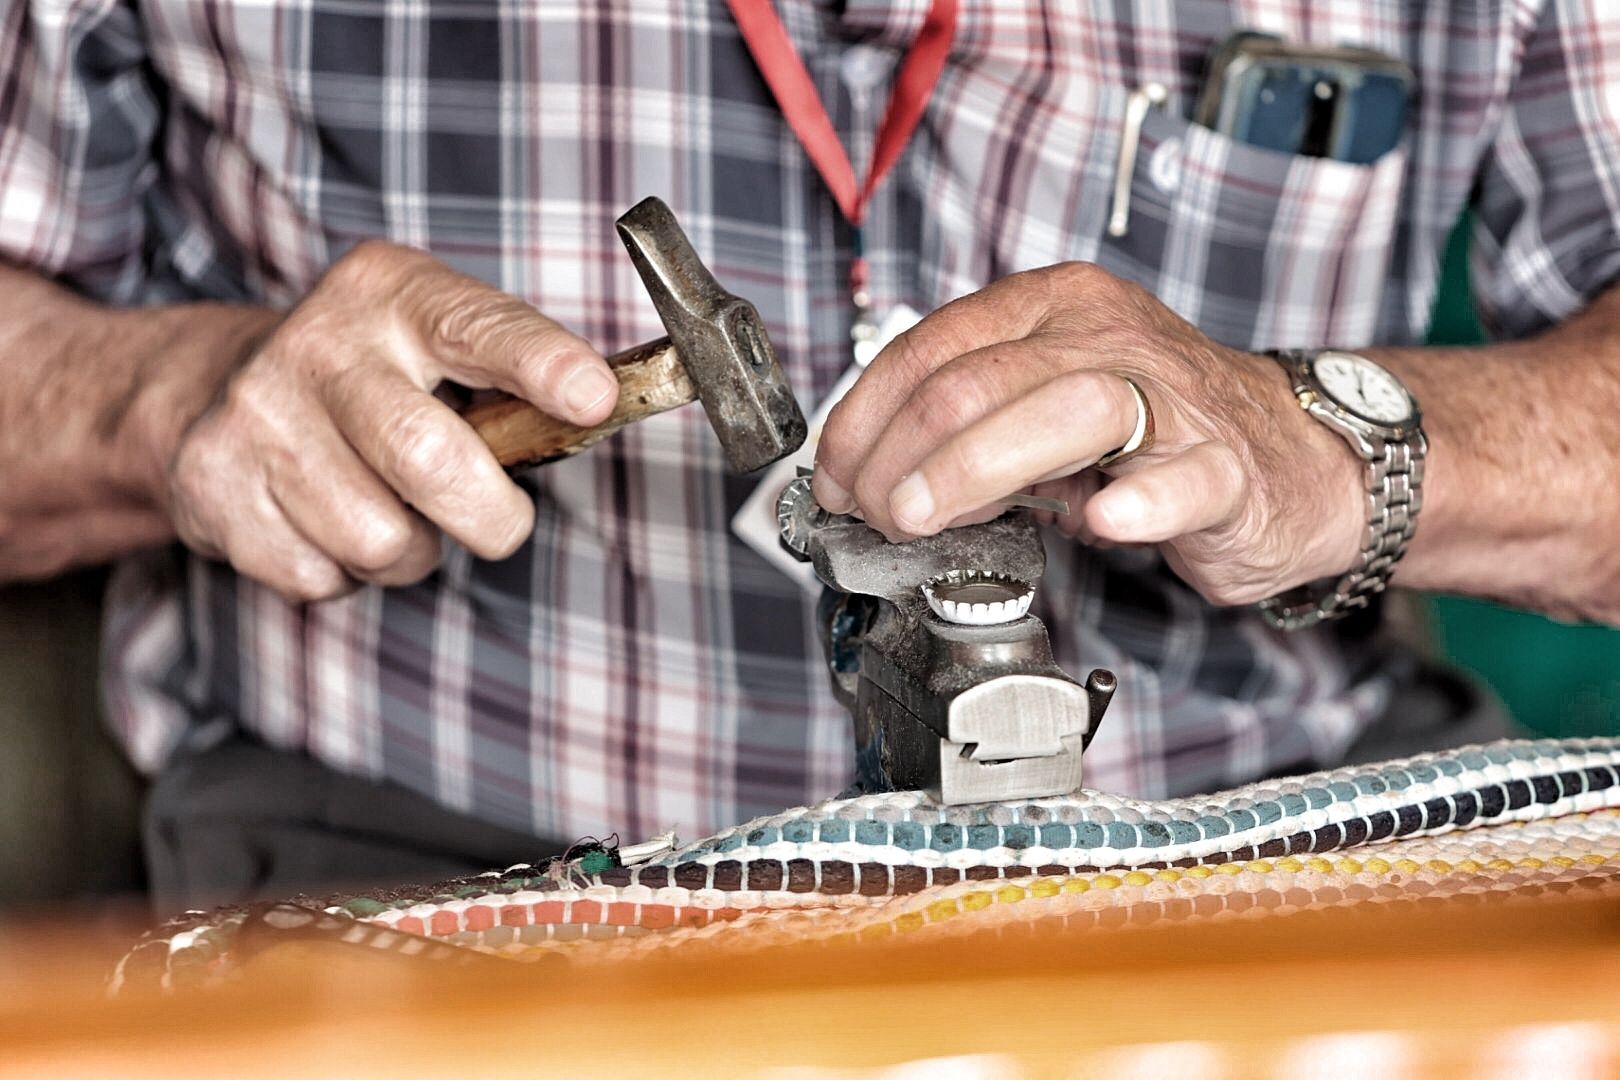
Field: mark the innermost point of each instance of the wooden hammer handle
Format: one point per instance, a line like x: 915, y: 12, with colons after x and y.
x: 652, y: 380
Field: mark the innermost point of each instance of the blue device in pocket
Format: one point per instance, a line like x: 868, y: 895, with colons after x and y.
x: 1345, y: 103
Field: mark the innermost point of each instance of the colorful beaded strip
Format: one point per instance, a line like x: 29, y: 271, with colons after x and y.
x: 856, y: 865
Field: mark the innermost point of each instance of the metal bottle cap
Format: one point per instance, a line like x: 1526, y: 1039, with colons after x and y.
x: 978, y: 597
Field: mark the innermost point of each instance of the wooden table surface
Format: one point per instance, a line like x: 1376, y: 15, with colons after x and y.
x: 1430, y: 988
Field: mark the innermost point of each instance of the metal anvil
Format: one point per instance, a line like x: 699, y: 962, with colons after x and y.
x: 950, y: 682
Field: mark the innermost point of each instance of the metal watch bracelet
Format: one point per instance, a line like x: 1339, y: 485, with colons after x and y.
x: 1394, y: 473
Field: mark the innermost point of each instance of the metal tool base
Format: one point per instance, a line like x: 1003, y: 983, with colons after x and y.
x: 970, y: 710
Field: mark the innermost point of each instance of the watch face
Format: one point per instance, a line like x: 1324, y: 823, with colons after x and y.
x: 1363, y: 387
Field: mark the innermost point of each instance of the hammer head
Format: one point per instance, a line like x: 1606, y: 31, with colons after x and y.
x: 720, y: 339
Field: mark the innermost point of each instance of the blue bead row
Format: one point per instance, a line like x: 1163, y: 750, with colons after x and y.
x: 1538, y: 775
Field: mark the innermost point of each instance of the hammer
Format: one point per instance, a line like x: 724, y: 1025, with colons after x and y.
x: 717, y: 352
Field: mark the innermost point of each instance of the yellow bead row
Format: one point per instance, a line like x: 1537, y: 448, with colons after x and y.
x: 1044, y: 888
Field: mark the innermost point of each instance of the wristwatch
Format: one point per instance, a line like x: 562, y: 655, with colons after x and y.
x: 1379, y: 418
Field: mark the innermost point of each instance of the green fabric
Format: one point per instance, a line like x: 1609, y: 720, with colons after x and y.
x: 594, y: 862
x: 1556, y: 679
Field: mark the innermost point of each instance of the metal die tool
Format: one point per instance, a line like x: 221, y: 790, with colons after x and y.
x: 949, y: 679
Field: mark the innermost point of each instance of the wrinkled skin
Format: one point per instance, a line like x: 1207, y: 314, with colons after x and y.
x: 1018, y: 388
x: 325, y: 460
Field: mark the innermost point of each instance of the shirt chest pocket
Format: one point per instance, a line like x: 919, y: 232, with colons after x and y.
x: 1259, y: 249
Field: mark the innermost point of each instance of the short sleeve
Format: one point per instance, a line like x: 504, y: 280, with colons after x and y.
x: 1547, y: 211
x: 78, y: 117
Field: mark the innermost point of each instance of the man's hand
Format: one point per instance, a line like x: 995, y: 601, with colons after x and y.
x: 1019, y: 387
x: 326, y: 460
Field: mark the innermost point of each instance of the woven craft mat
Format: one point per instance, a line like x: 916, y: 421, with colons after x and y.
x: 1508, y: 820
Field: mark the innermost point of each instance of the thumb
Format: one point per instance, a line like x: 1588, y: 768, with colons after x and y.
x: 481, y: 336
x: 1198, y: 489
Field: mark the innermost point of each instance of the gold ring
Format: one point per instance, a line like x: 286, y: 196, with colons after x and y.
x: 1141, y: 437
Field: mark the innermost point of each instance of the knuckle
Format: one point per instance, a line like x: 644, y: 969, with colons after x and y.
x: 305, y: 339
x: 240, y: 404
x: 251, y: 405
x: 1086, y: 391
x: 312, y: 580
x: 1084, y: 276
x: 949, y: 400
x: 542, y: 364
x: 190, y: 532
x: 470, y: 318
x: 199, y: 465
x: 421, y: 453
x: 298, y: 579
x: 188, y: 478
x: 487, y: 328
x: 421, y: 561
x: 191, y: 517
x: 371, y: 261
x: 379, y: 541
x: 187, y: 512
x: 1084, y: 298
x: 1081, y: 270
x: 1234, y: 476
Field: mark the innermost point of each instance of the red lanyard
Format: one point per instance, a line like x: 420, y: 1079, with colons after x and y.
x: 785, y: 74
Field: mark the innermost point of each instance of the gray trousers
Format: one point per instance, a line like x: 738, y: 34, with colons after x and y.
x: 237, y: 821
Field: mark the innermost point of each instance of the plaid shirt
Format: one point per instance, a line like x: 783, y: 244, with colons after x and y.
x: 634, y: 667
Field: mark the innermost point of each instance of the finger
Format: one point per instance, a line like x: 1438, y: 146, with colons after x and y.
x: 1005, y: 311
x: 430, y: 457
x: 951, y: 399
x: 1200, y: 488
x: 1059, y: 426
x: 481, y: 336
x: 220, y: 502
x: 261, y: 544
x: 343, y: 508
